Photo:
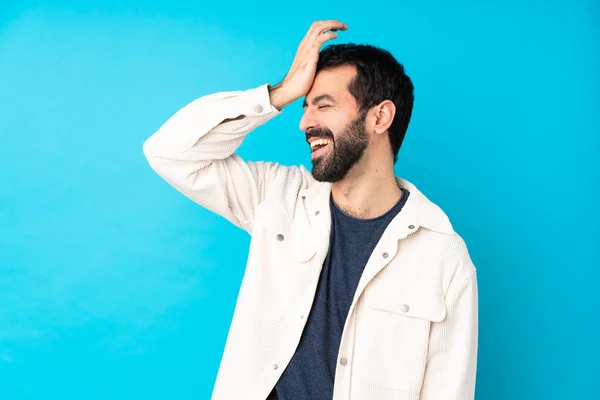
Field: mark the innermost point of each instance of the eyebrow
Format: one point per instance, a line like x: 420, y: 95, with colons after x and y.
x: 317, y: 99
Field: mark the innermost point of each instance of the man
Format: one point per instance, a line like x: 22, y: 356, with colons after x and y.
x: 356, y: 285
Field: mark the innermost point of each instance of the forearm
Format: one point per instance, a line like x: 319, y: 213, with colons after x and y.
x: 211, y: 127
x: 194, y: 152
x: 280, y: 96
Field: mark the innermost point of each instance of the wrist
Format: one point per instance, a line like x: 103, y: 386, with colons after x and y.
x: 279, y: 97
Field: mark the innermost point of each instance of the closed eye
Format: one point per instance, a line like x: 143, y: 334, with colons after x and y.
x: 324, y: 106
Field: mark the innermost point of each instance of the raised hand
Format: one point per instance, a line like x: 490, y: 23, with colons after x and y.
x: 301, y: 75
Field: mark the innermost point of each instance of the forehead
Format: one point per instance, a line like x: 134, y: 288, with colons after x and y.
x: 333, y: 82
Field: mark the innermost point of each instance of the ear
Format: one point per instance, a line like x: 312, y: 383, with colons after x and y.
x: 384, y: 114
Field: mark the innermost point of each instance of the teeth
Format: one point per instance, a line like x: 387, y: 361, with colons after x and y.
x: 319, y: 142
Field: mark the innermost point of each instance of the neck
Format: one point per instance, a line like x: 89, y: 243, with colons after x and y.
x: 368, y: 191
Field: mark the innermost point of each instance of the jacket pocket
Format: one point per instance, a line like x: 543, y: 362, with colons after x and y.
x: 279, y: 262
x: 284, y: 236
x: 392, y: 337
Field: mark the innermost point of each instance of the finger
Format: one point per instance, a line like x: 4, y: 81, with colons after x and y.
x: 325, y: 37
x: 322, y: 26
x: 314, y: 28
x: 314, y: 35
x: 322, y: 37
x: 332, y: 23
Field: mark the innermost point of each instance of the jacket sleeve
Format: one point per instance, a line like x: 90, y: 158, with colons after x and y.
x: 194, y: 152
x: 452, y: 361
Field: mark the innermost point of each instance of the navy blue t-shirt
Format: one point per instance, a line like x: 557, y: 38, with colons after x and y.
x: 311, y: 371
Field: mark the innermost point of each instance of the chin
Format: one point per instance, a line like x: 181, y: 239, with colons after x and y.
x: 318, y: 170
x: 322, y: 175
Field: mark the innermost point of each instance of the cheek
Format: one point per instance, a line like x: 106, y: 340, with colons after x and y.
x: 337, y: 130
x: 336, y: 122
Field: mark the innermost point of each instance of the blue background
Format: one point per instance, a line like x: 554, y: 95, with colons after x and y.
x: 113, y: 285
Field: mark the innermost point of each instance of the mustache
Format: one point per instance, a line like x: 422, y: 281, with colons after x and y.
x: 321, y: 133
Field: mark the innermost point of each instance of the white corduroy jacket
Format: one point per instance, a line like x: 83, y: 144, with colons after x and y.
x: 411, y: 332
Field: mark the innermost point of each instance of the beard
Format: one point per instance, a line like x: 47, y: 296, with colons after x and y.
x: 346, y: 151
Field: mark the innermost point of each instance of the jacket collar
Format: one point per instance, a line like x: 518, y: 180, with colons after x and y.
x: 418, y: 211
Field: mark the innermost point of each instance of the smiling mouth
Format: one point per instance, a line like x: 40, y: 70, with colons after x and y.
x: 320, y: 148
x: 319, y: 144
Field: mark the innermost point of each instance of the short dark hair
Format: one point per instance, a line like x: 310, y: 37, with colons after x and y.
x: 379, y: 77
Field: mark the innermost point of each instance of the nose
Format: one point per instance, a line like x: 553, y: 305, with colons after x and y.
x: 308, y: 121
